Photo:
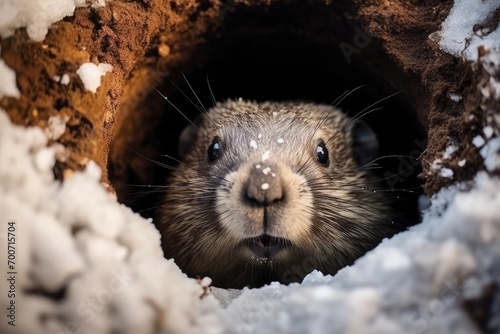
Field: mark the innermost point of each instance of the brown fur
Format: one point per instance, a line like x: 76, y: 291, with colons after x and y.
x: 327, y: 215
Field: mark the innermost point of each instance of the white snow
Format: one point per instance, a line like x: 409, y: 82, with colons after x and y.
x: 455, y: 97
x: 56, y: 127
x: 280, y: 141
x: 412, y: 283
x: 91, y: 74
x: 478, y: 141
x: 37, y: 15
x: 8, y: 85
x: 436, y: 164
x: 462, y: 162
x: 266, y: 170
x: 253, y: 144
x: 206, y: 281
x: 457, y: 32
x: 449, y: 151
x: 488, y: 131
x: 266, y: 155
x: 75, y: 236
x: 64, y: 80
x: 446, y: 172
x: 491, y: 154
x: 495, y: 87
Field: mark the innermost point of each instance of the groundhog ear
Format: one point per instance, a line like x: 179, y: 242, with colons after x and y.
x: 188, y: 137
x: 364, y: 143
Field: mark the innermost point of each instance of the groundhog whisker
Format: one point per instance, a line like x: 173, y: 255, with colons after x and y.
x: 194, y: 93
x: 212, y: 96
x: 263, y: 192
x: 178, y: 110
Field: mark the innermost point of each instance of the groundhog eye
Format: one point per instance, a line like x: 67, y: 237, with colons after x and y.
x: 214, y: 151
x: 322, y: 154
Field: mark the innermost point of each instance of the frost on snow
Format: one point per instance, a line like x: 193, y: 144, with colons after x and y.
x: 91, y: 74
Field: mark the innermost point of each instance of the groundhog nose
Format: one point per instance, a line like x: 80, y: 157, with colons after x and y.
x: 264, y: 185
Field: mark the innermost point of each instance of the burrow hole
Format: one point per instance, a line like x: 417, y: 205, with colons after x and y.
x: 278, y: 53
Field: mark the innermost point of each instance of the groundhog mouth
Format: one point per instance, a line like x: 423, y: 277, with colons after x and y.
x: 266, y: 246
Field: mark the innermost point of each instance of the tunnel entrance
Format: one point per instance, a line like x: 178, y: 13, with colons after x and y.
x: 277, y: 52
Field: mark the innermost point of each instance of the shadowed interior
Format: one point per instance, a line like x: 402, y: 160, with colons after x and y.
x: 281, y: 53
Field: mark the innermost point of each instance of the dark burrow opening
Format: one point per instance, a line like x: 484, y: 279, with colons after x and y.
x: 303, y: 53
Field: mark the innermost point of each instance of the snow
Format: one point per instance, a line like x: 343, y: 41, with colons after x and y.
x: 253, y: 144
x: 457, y: 31
x: 265, y: 186
x: 478, y: 141
x: 280, y: 141
x: 446, y: 172
x: 449, y: 151
x: 8, y: 85
x: 206, y: 281
x: 454, y: 97
x: 56, y: 127
x: 75, y: 236
x: 488, y: 131
x: 436, y: 164
x: 412, y: 283
x: 91, y: 74
x: 36, y: 15
x: 116, y: 278
x: 266, y: 155
x: 491, y: 154
x: 64, y: 80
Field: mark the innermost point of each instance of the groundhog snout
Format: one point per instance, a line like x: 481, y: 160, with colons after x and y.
x: 264, y: 186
